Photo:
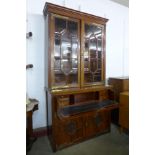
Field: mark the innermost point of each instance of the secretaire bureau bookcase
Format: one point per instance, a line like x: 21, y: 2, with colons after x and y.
x: 79, y: 103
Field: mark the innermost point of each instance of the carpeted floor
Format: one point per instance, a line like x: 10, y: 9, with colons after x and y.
x: 113, y: 143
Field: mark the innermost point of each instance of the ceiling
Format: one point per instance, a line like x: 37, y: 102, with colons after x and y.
x: 122, y: 2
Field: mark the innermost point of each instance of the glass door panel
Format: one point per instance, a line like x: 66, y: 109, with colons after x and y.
x: 93, y: 54
x: 66, y: 52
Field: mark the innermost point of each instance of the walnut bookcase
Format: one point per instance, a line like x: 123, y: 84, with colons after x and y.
x: 78, y: 101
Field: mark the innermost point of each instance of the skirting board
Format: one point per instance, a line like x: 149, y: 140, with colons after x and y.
x: 39, y: 132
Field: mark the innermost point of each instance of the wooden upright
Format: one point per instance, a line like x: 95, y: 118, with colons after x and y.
x: 78, y: 101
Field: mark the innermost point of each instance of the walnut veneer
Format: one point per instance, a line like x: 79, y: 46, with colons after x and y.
x: 79, y: 103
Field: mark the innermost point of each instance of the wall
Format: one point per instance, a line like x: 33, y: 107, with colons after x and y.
x: 116, y: 47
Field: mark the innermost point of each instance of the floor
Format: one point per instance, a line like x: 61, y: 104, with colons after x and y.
x: 113, y: 143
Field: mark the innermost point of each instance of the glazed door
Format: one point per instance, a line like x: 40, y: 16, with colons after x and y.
x: 93, y: 54
x: 65, y: 55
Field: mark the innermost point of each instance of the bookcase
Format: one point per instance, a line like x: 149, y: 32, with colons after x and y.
x: 78, y: 101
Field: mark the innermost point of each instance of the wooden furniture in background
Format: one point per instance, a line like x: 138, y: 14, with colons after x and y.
x: 120, y: 84
x: 124, y: 110
x: 78, y: 101
x: 30, y: 108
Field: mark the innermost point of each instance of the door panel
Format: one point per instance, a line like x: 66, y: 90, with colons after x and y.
x: 69, y: 131
x: 97, y: 123
x: 66, y: 55
x: 93, y: 54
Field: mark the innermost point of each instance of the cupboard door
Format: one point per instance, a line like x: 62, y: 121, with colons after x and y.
x: 97, y: 123
x: 93, y: 57
x: 69, y: 131
x: 102, y: 121
x: 66, y: 52
x: 89, y: 125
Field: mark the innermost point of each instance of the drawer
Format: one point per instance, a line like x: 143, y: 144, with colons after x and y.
x: 63, y: 100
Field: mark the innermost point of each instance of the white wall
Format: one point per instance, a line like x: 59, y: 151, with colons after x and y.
x: 116, y: 47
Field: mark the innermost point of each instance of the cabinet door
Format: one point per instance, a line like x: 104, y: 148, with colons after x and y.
x: 97, y: 122
x: 65, y: 54
x: 69, y: 131
x: 93, y: 57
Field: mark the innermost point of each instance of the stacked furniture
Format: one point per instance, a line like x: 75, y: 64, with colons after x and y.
x: 121, y: 90
x: 79, y: 103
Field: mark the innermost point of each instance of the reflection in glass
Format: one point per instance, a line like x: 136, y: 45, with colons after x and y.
x: 66, y: 52
x: 93, y: 53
